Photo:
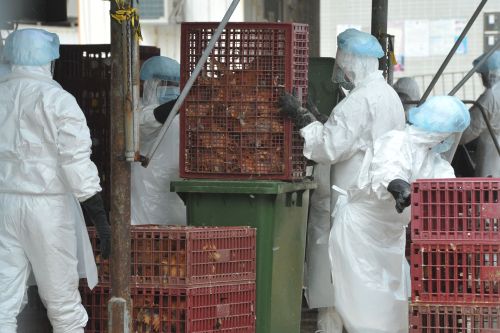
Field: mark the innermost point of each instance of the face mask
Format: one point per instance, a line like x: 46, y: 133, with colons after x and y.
x: 445, y: 145
x: 347, y: 85
x: 167, y: 93
x: 339, y: 77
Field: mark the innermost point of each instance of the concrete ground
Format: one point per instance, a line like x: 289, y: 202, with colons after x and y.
x: 309, y: 319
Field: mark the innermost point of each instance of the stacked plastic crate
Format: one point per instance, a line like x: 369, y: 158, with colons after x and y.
x: 455, y: 254
x: 231, y: 127
x: 183, y: 279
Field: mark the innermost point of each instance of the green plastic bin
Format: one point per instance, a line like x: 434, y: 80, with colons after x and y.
x: 279, y: 212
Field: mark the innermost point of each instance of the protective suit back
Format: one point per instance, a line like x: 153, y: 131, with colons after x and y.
x: 45, y: 170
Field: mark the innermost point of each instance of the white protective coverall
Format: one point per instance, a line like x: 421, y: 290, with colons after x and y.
x: 152, y: 201
x: 317, y: 278
x: 45, y: 169
x: 367, y: 240
x: 370, y: 110
x: 486, y: 157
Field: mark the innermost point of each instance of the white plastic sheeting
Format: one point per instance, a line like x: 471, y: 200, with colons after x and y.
x: 367, y: 241
x: 152, y: 201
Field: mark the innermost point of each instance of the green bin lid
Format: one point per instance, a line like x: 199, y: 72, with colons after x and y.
x: 239, y: 186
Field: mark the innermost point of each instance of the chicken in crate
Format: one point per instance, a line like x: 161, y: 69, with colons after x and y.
x: 192, y: 309
x: 231, y: 126
x: 168, y: 255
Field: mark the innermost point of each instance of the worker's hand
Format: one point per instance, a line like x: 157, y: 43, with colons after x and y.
x: 162, y: 111
x: 401, y: 191
x: 94, y: 207
x: 290, y: 107
x: 315, y: 112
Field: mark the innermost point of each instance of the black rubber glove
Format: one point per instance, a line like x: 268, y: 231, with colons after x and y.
x: 315, y: 112
x: 290, y: 106
x: 94, y: 207
x: 161, y: 112
x: 401, y: 191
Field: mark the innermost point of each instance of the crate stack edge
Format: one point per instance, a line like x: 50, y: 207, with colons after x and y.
x: 455, y: 252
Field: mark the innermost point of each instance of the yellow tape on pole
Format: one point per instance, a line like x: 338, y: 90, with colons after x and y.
x: 127, y: 13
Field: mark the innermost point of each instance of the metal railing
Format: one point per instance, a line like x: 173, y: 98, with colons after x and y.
x: 471, y: 89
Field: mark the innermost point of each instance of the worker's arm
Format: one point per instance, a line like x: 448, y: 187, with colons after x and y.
x: 477, y: 123
x: 73, y: 144
x: 340, y: 137
x: 74, y: 148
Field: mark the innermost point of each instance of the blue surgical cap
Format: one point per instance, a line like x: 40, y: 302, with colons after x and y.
x: 442, y: 114
x: 359, y: 43
x: 162, y: 68
x: 491, y: 64
x: 31, y: 47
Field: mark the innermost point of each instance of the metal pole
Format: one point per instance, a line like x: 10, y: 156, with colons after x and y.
x: 189, y: 84
x: 474, y: 69
x: 122, y: 39
x: 452, y: 52
x: 379, y: 29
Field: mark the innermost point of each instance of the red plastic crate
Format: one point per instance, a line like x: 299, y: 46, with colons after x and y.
x: 85, y: 72
x: 166, y: 255
x: 231, y: 127
x: 455, y: 273
x: 432, y: 318
x: 459, y: 209
x: 215, y: 308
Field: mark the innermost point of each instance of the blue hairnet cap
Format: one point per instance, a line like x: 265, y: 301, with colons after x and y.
x: 491, y: 64
x: 162, y: 68
x: 443, y: 114
x: 31, y: 47
x: 359, y: 43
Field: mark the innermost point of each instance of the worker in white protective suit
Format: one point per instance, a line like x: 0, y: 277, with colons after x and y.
x: 370, y: 110
x: 45, y: 174
x: 367, y: 240
x: 408, y: 90
x: 486, y: 157
x: 152, y: 201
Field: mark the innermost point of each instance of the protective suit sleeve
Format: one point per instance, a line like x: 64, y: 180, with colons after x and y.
x: 340, y: 137
x: 392, y: 159
x: 477, y: 123
x: 74, y: 148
